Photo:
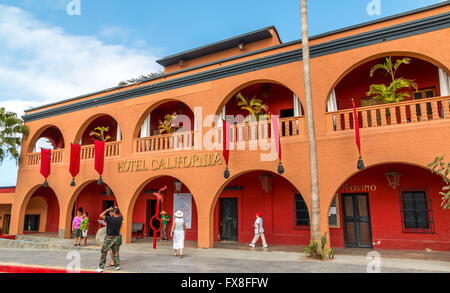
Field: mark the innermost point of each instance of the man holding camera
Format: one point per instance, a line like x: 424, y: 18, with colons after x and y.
x: 112, y: 238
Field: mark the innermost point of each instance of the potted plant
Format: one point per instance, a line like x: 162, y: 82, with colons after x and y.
x: 166, y: 125
x: 99, y: 133
x: 395, y: 91
x: 255, y: 107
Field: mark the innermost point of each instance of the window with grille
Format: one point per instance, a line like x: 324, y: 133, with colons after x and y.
x: 417, y: 216
x: 301, y: 211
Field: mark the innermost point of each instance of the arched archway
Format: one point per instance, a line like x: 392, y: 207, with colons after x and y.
x: 368, y: 212
x: 165, y: 125
x: 42, y: 212
x: 92, y: 198
x: 100, y: 120
x: 177, y: 196
x: 285, y: 211
x: 49, y: 137
x: 280, y: 100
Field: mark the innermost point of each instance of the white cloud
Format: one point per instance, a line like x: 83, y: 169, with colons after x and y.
x: 40, y: 64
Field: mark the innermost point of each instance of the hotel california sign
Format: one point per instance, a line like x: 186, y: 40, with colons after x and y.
x: 171, y: 162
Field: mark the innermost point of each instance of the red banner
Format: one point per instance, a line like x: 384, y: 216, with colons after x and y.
x: 356, y: 124
x: 45, y: 162
x: 226, y: 141
x: 276, y: 135
x: 74, y: 167
x: 99, y: 155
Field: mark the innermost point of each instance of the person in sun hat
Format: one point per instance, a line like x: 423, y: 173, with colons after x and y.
x: 165, y: 220
x: 259, y: 231
x: 177, y: 232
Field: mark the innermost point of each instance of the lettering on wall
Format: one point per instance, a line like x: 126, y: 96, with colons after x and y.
x: 172, y: 162
x: 358, y: 188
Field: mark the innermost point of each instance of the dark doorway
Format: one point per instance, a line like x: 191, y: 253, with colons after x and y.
x: 356, y: 212
x: 151, y: 209
x: 6, y: 223
x: 229, y: 219
x: 31, y: 223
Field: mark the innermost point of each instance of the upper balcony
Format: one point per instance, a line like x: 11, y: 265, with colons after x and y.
x: 427, y: 101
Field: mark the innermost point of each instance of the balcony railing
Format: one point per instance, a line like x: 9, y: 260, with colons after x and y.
x: 250, y: 131
x: 111, y: 149
x: 413, y: 111
x: 35, y: 158
x: 178, y: 140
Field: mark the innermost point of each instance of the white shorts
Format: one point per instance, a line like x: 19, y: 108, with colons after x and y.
x: 84, y: 233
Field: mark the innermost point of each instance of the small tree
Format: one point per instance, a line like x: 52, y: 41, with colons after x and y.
x: 255, y: 107
x: 99, y: 133
x: 390, y: 93
x: 12, y: 130
x: 439, y: 167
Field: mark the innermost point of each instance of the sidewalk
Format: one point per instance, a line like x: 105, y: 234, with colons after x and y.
x: 226, y: 257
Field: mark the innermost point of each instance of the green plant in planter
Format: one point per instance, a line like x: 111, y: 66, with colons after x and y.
x: 391, y: 93
x: 166, y: 125
x: 439, y: 167
x: 312, y: 250
x: 255, y: 107
x: 99, y: 133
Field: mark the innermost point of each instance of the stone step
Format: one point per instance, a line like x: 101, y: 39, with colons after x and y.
x: 46, y: 245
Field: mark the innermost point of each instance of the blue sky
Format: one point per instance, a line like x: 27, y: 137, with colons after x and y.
x: 47, y: 55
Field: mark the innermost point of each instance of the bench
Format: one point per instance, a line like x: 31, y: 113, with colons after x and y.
x: 138, y: 228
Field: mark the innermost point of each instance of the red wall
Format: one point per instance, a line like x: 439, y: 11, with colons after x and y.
x: 357, y: 82
x: 7, y: 189
x: 385, y: 211
x: 92, y: 200
x: 279, y: 98
x: 140, y: 211
x: 277, y: 207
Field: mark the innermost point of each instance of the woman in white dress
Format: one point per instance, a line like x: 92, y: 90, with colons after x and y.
x: 177, y: 233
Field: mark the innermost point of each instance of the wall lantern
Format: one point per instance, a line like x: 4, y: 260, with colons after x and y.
x: 393, y: 178
x: 177, y: 185
x: 266, y: 182
x: 265, y: 90
x: 108, y: 190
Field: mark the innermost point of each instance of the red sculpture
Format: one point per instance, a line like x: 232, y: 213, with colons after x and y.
x: 159, y: 199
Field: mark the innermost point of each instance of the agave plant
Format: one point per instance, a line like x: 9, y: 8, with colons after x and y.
x: 390, y: 94
x: 166, y: 125
x: 99, y: 133
x: 255, y: 107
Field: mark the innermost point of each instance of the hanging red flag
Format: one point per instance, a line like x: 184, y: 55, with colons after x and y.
x: 276, y: 137
x: 45, y: 164
x: 226, y: 146
x: 74, y: 167
x: 360, y: 164
x: 99, y: 158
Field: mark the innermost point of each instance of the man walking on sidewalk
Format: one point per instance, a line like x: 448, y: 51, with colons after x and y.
x: 112, y: 238
x: 259, y: 231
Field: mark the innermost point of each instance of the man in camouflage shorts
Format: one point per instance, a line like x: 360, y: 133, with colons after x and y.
x: 112, y: 238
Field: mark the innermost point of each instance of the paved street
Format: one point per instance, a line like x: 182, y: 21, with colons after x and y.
x: 220, y: 261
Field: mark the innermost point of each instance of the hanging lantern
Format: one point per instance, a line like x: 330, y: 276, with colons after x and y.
x: 393, y: 178
x: 177, y: 185
x: 108, y: 190
x: 266, y: 182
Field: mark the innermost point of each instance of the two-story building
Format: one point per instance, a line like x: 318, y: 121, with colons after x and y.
x: 394, y: 203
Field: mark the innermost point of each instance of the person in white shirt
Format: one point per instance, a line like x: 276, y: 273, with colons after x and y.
x: 259, y: 231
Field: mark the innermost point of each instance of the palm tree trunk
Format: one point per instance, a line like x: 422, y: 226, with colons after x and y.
x: 314, y: 182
